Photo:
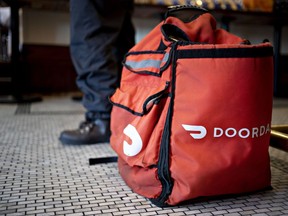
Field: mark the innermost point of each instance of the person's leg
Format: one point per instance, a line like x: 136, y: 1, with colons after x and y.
x: 101, y: 33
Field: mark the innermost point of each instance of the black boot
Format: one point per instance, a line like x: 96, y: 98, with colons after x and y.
x: 97, y: 131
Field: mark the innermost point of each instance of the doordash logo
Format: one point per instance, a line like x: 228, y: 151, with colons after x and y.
x: 200, y: 132
x: 136, y: 145
x: 197, y: 132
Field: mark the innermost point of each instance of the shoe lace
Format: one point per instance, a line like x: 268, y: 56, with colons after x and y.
x: 85, y: 127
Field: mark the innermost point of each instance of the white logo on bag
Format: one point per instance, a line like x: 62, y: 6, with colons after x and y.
x: 199, y: 132
x: 136, y: 146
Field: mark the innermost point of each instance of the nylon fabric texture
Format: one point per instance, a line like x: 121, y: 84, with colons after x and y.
x: 192, y: 115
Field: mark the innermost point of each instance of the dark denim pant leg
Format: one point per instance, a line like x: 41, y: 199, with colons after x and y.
x: 101, y: 34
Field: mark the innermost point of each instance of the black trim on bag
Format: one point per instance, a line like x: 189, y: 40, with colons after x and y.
x: 126, y: 108
x: 226, y: 53
x: 153, y: 98
x: 144, y: 52
x: 164, y: 174
x: 144, y: 72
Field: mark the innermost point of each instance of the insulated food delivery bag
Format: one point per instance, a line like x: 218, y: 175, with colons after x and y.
x: 192, y: 115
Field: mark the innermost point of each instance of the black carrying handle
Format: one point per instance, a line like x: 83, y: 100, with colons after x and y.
x: 186, y: 13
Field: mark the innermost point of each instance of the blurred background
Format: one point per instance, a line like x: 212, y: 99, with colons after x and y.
x: 43, y: 65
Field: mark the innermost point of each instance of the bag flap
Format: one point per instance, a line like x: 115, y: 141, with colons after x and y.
x: 138, y: 99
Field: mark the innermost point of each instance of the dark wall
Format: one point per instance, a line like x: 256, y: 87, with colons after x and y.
x: 48, y: 69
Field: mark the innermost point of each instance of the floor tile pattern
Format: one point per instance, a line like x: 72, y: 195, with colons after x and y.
x: 40, y: 176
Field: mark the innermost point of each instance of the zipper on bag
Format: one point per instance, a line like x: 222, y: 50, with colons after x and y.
x: 164, y: 174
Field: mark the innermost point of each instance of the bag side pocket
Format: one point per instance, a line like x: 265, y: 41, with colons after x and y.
x: 136, y: 122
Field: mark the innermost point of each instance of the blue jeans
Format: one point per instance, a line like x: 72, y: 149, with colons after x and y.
x: 101, y: 34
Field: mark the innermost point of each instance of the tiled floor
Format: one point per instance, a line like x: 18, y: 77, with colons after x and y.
x: 40, y: 176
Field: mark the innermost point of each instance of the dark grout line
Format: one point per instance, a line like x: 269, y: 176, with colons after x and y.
x: 23, y: 108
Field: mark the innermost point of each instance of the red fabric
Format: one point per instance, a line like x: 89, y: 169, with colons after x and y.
x: 223, y: 96
x: 142, y: 180
x: 203, y: 30
x: 230, y: 97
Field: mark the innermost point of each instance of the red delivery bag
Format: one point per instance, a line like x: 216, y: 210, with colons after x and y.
x: 192, y: 115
